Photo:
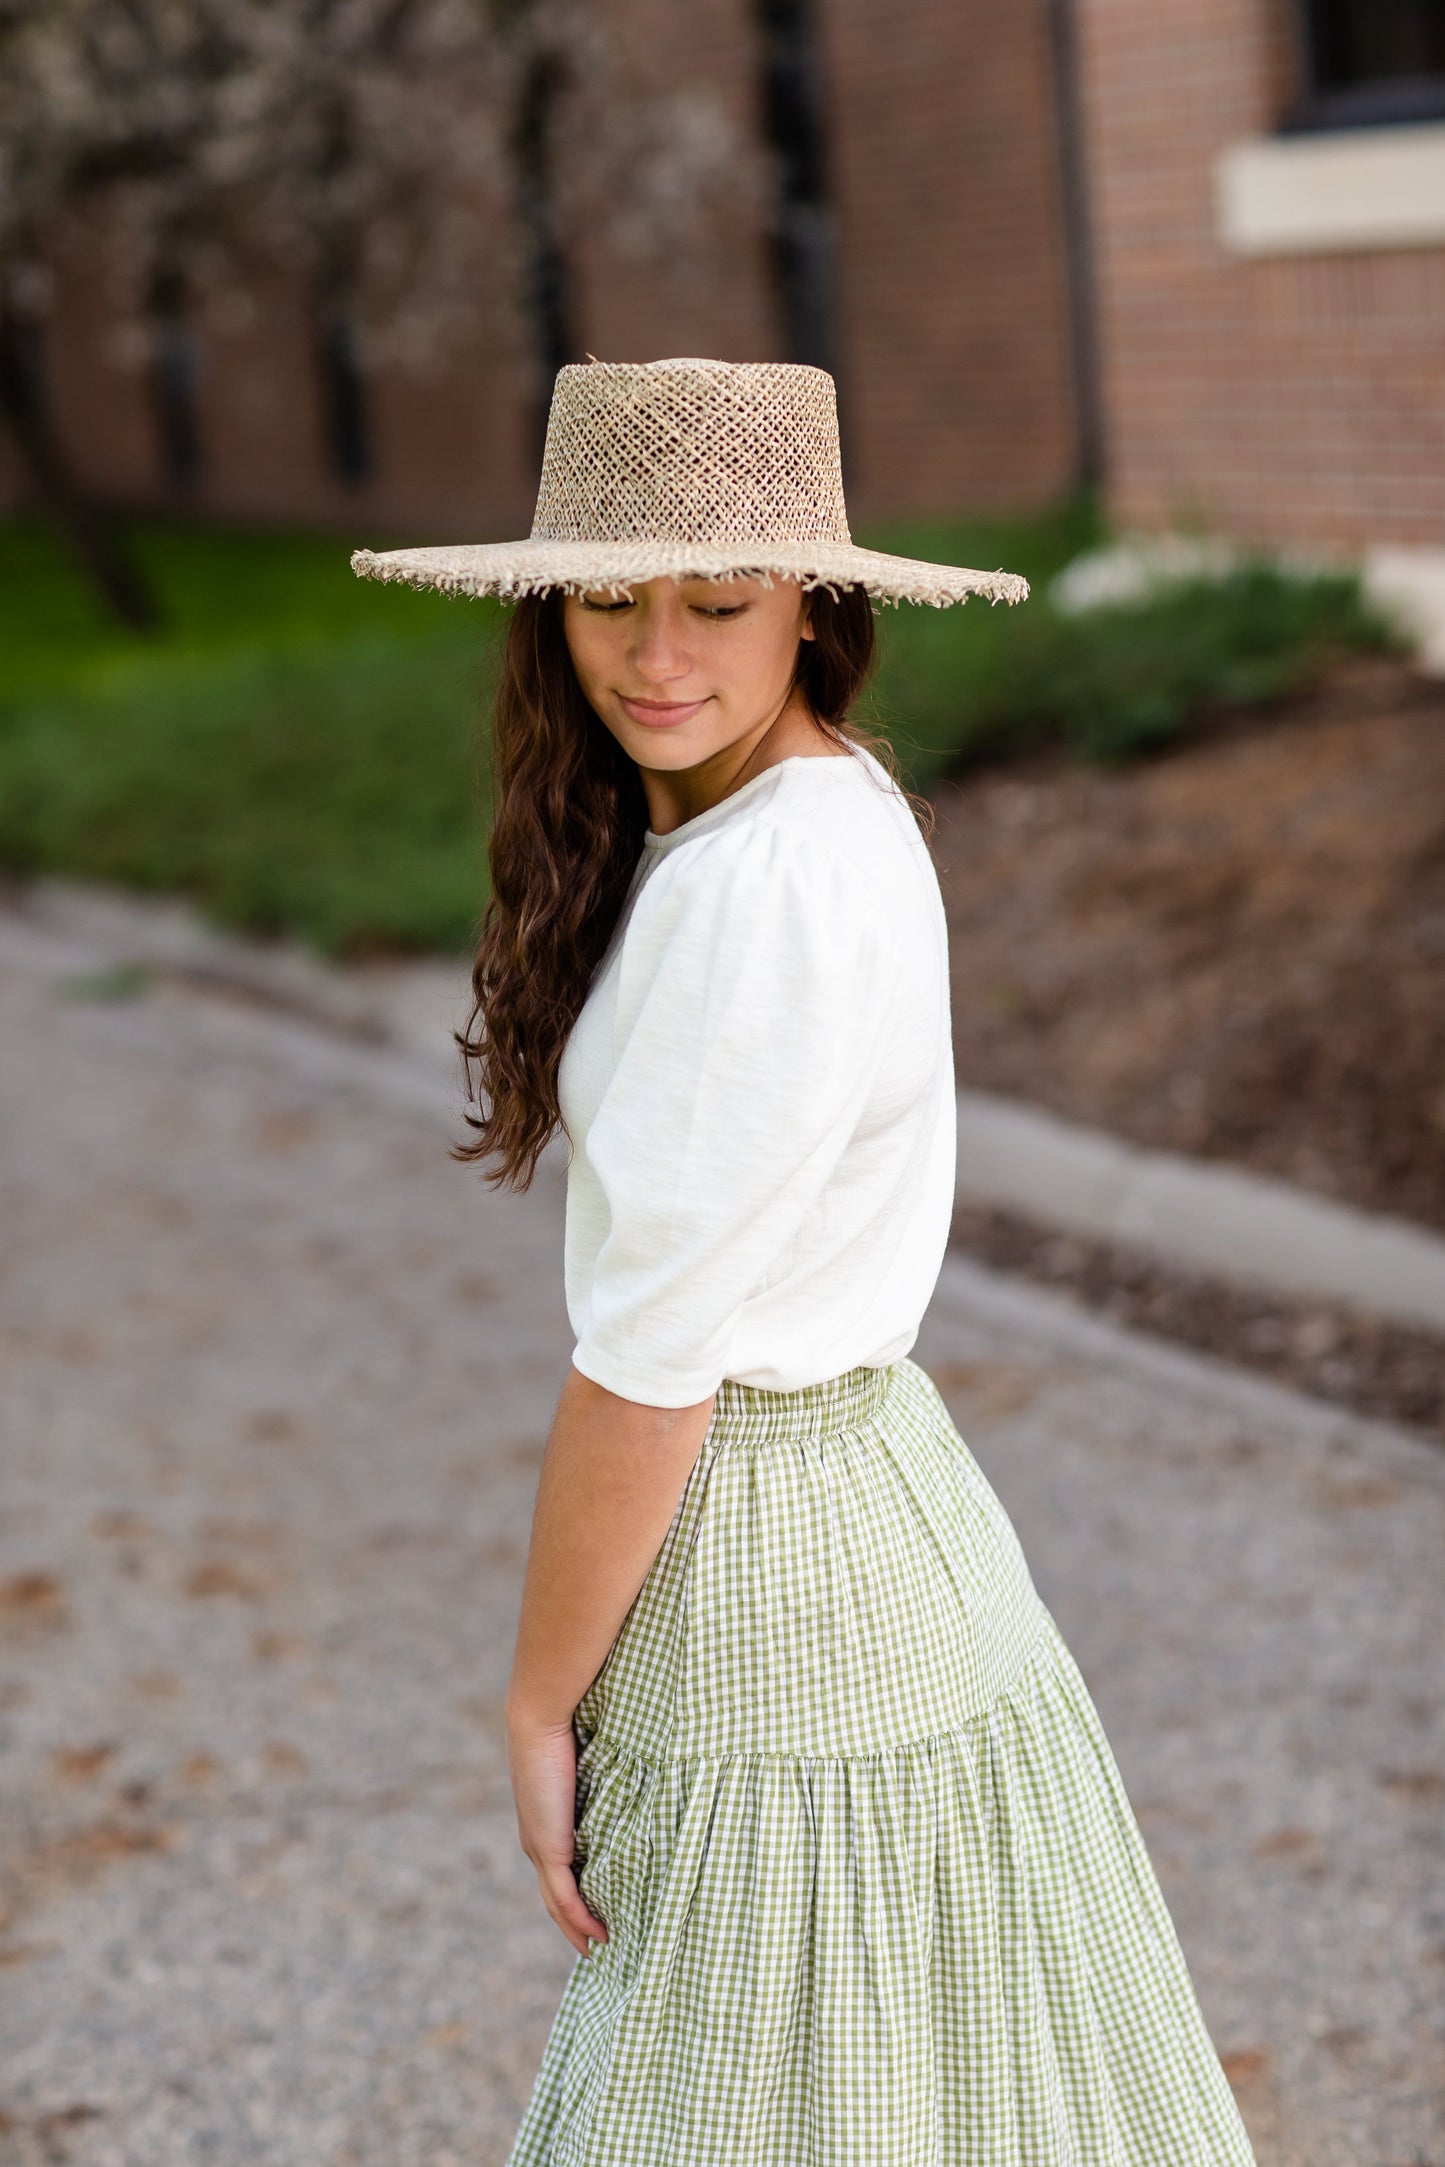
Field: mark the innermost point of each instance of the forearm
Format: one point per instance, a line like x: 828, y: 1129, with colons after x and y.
x: 611, y: 1477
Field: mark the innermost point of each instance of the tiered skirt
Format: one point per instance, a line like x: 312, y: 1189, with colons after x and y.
x: 874, y: 1892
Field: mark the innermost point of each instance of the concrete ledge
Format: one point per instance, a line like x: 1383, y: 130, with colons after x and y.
x: 1239, y: 1226
x: 1408, y: 580
x: 1405, y: 580
x: 1338, y: 189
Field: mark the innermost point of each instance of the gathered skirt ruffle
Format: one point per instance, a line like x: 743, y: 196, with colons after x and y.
x: 948, y: 1951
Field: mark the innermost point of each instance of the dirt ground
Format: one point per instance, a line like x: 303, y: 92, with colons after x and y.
x: 1235, y: 950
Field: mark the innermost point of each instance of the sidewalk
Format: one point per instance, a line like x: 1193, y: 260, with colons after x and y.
x: 278, y: 1375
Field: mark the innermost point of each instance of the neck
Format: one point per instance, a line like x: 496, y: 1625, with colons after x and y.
x: 680, y: 794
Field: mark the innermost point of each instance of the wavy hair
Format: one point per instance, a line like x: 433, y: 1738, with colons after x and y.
x: 568, y: 826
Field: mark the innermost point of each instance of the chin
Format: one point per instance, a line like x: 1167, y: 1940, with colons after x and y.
x: 667, y: 750
x: 676, y: 752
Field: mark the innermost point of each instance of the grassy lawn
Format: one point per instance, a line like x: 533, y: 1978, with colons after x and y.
x: 299, y: 750
x: 224, y: 590
x: 304, y: 752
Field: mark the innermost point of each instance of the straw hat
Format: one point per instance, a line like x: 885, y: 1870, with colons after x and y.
x: 665, y: 469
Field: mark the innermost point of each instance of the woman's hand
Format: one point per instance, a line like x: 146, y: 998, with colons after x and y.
x: 543, y: 1762
x: 611, y: 1477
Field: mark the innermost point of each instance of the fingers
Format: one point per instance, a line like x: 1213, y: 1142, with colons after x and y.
x: 564, y: 1903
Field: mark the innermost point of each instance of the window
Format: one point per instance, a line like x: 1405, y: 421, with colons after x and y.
x: 1370, y: 63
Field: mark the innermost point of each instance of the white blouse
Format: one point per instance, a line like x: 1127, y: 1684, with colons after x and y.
x: 758, y: 1095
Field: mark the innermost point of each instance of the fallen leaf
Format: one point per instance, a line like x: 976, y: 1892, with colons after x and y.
x: 217, y: 1577
x: 81, y: 1764
x: 32, y: 1604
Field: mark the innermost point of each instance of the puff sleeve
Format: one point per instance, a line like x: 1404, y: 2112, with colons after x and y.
x: 752, y: 1014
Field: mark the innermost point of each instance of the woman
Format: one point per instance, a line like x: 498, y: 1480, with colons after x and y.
x: 809, y: 1778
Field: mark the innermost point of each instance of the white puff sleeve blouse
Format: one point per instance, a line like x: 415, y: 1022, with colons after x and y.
x: 758, y: 1096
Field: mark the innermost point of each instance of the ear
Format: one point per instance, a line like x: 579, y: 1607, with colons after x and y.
x: 805, y: 629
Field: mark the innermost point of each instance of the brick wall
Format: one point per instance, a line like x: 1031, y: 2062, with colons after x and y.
x: 1274, y: 398
x: 954, y: 334
x: 952, y: 360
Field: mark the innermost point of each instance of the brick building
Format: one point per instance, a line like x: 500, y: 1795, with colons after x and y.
x: 1267, y: 213
x: 1197, y: 251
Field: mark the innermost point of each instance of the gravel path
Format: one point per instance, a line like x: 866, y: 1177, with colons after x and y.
x: 277, y: 1378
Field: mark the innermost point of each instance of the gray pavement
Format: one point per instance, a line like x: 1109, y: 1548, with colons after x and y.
x: 276, y: 1379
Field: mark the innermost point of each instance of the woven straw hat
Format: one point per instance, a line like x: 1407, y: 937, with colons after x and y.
x: 665, y: 469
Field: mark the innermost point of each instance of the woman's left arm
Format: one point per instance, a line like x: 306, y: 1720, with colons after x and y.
x: 611, y: 1477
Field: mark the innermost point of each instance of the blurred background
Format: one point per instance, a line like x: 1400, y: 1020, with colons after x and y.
x: 1150, y: 307
x: 1146, y: 303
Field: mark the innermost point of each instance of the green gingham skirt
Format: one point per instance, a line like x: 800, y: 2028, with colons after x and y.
x: 874, y: 1892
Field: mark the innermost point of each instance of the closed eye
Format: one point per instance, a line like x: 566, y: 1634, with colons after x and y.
x: 702, y: 609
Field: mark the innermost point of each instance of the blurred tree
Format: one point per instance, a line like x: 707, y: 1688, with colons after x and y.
x: 543, y: 68
x: 47, y: 131
x: 802, y: 230
x: 396, y: 159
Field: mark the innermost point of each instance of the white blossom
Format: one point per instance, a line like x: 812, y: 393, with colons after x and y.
x: 365, y: 148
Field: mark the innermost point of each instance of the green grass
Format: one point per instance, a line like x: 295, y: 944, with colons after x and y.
x: 937, y: 665
x: 224, y: 590
x: 303, y: 752
x: 299, y: 750
x: 961, y: 686
x: 335, y: 794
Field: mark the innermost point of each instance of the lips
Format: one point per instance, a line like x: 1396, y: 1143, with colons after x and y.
x: 659, y: 714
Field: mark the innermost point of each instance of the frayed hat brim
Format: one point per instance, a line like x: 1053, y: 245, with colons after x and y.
x: 511, y: 569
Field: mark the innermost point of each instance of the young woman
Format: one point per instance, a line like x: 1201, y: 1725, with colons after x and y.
x: 808, y: 1775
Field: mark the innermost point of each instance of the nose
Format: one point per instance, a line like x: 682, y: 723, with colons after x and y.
x: 657, y: 650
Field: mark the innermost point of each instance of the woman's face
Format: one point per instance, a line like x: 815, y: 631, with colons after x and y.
x: 679, y: 670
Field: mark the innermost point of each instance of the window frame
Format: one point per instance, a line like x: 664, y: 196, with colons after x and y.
x: 1382, y: 102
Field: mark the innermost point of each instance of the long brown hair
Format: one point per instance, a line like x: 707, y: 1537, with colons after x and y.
x: 569, y: 821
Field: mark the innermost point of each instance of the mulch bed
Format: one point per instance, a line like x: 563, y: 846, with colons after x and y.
x: 1234, y: 950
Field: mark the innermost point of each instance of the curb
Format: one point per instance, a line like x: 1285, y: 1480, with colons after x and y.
x: 1240, y: 1226
x: 166, y: 936
x: 382, y: 1071
x: 1243, y: 1227
x: 976, y: 1295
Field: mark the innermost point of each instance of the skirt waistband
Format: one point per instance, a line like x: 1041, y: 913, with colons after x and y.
x: 747, y: 1414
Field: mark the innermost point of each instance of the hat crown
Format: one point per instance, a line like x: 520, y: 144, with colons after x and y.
x: 720, y: 452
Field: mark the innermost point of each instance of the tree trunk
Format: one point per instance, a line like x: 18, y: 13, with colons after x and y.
x: 548, y: 296
x: 24, y: 407
x: 802, y: 236
x: 173, y: 375
x: 345, y: 406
